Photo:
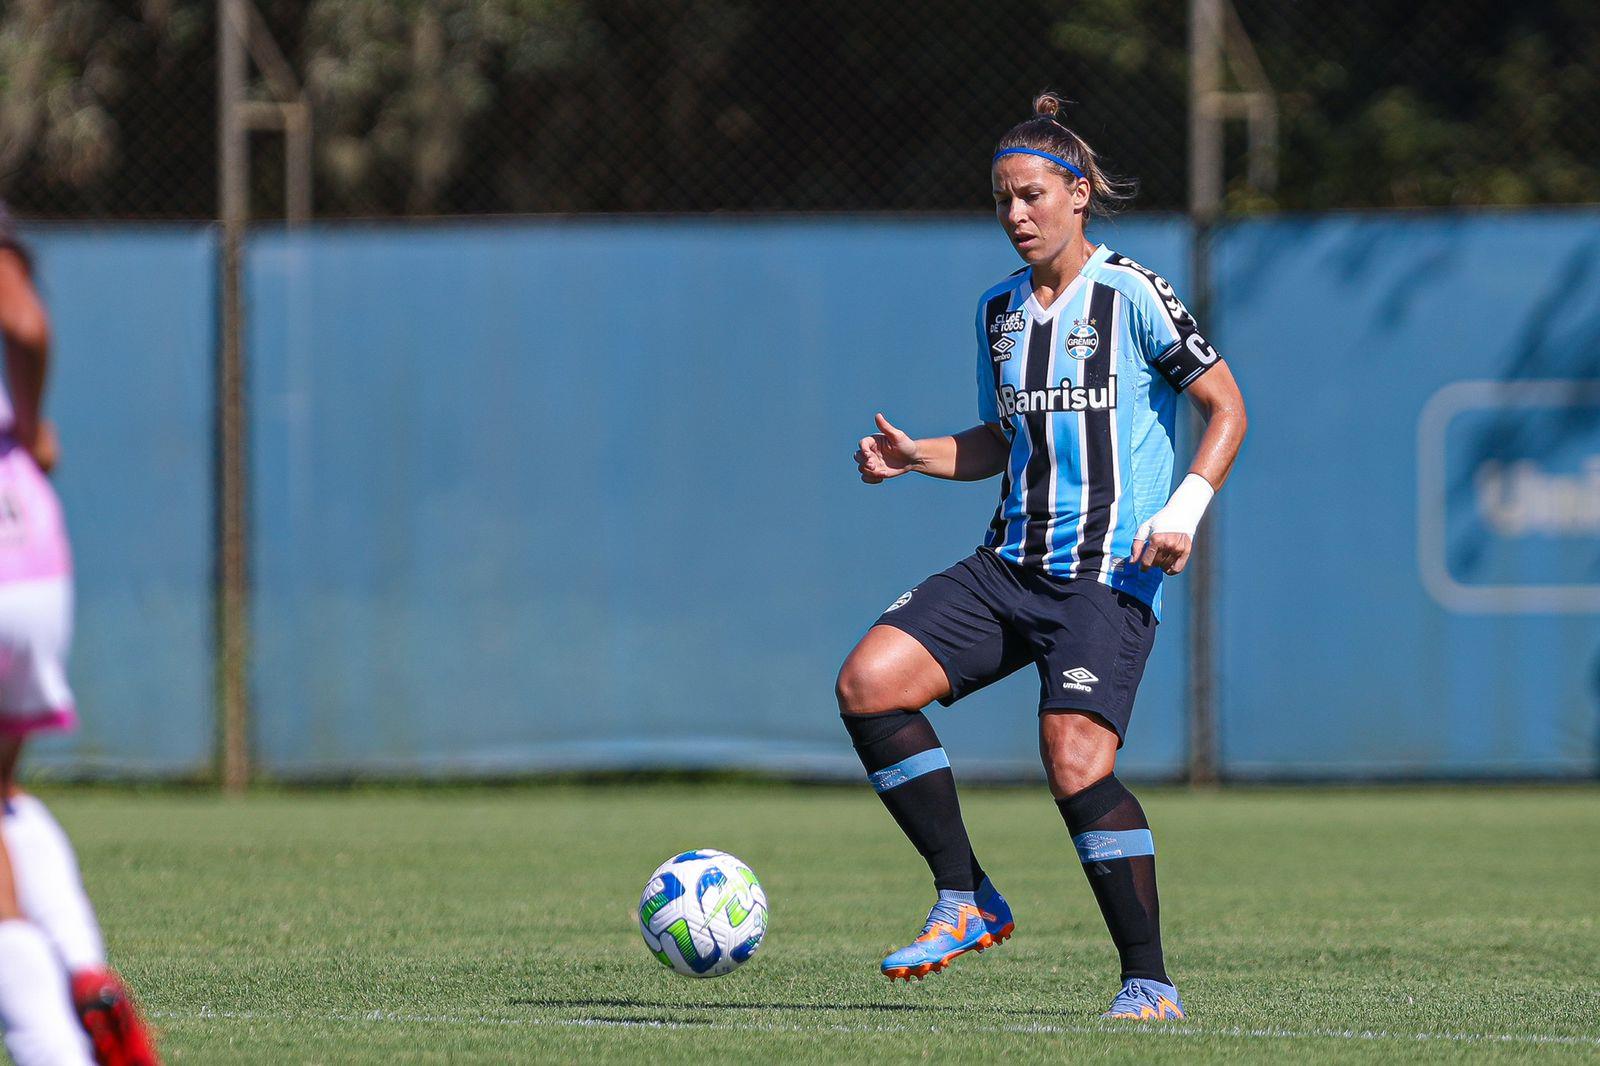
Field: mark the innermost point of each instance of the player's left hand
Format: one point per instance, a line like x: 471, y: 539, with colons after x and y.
x: 45, y: 446
x: 1169, y: 551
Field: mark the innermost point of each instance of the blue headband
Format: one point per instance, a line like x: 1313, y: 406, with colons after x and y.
x: 1057, y: 160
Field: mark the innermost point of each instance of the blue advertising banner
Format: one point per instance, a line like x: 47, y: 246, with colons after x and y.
x: 1411, y: 544
x: 132, y: 311
x: 574, y: 495
x: 517, y: 511
x: 1508, y: 492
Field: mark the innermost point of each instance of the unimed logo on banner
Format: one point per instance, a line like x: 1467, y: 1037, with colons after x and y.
x: 1508, y: 496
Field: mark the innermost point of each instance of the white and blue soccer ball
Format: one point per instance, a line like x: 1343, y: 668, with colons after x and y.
x: 703, y: 913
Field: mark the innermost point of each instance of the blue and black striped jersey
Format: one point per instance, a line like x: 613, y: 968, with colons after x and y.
x: 1086, y: 392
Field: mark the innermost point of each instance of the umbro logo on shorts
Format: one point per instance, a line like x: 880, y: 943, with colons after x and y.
x: 1079, y: 680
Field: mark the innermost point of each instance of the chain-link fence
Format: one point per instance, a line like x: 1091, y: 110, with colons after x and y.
x: 438, y: 107
x: 1433, y: 103
x: 107, y: 108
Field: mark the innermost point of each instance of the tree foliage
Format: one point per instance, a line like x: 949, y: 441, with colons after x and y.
x: 64, y: 71
x: 452, y: 106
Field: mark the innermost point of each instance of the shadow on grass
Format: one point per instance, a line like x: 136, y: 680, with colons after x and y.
x: 650, y: 1004
x: 646, y: 1020
x: 724, y: 1009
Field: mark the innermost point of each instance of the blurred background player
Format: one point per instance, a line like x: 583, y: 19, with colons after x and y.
x: 52, y: 959
x: 1081, y: 356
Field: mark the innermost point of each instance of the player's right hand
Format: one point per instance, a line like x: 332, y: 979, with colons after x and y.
x: 888, y: 453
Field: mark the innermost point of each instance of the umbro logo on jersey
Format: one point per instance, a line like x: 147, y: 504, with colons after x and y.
x: 1005, y: 322
x: 1079, y: 679
x: 1066, y: 397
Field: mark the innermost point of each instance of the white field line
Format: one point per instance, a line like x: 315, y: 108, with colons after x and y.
x: 1106, y: 1028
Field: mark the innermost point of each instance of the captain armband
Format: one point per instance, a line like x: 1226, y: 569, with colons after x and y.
x: 1186, y: 359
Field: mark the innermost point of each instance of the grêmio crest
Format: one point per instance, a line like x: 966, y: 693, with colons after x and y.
x: 1082, y: 339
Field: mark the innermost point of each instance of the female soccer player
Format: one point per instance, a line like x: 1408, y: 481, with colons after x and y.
x: 52, y: 961
x: 1081, y: 356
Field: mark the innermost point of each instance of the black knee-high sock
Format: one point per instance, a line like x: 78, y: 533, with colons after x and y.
x: 905, y: 763
x: 1111, y: 834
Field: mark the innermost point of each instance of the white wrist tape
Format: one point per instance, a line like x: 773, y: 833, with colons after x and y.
x: 1183, y: 511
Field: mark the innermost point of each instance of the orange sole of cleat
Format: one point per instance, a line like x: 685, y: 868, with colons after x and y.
x: 919, y: 972
x: 1147, y: 1017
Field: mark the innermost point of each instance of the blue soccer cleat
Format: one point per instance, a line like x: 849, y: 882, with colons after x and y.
x: 953, y: 929
x: 996, y: 911
x: 1147, y: 1001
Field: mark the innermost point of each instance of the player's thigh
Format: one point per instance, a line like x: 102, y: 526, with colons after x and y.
x: 10, y: 752
x: 940, y: 641
x: 10, y: 906
x: 889, y: 670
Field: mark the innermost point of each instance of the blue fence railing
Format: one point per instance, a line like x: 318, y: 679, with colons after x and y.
x: 517, y: 510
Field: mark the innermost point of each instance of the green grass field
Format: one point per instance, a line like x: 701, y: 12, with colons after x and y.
x: 495, y: 926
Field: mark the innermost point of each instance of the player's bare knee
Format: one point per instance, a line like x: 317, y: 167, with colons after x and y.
x: 1061, y: 768
x: 1067, y: 776
x: 865, y: 686
x: 1077, y: 750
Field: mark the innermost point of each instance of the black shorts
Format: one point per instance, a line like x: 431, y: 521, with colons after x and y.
x: 985, y: 618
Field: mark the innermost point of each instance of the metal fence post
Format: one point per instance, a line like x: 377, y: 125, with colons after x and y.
x: 232, y: 549
x: 1205, y: 204
x: 1204, y: 751
x: 1218, y: 46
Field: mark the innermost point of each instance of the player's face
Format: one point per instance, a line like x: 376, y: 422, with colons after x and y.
x: 1040, y: 210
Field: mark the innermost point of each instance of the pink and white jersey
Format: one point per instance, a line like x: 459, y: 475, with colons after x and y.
x: 33, y: 536
x: 32, y: 533
x: 35, y: 582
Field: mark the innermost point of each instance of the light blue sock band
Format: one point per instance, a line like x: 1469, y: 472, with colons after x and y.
x: 923, y: 762
x: 1101, y: 846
